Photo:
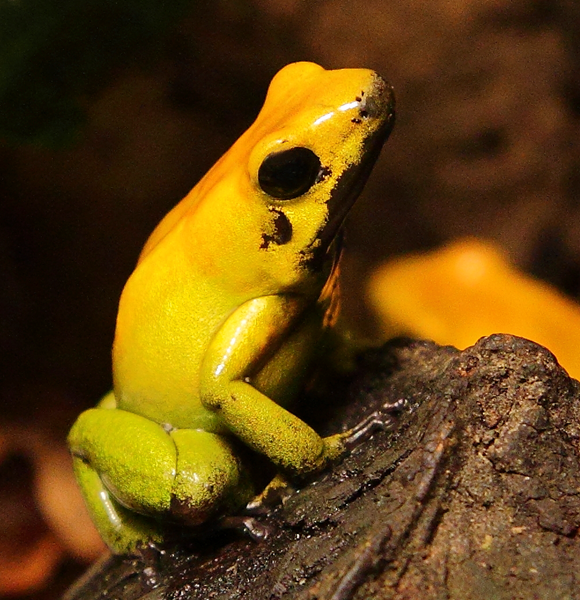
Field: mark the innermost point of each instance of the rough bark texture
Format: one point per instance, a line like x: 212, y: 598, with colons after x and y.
x: 473, y: 493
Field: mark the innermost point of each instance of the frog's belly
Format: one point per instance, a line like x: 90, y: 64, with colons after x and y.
x: 160, y: 340
x: 160, y: 380
x: 157, y: 374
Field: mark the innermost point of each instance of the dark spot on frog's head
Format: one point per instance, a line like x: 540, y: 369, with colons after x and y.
x: 356, y: 121
x: 323, y: 174
x: 313, y: 258
x: 282, y: 233
x: 359, y: 98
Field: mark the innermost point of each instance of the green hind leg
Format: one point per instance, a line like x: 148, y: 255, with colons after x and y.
x: 136, y: 476
x: 123, y: 530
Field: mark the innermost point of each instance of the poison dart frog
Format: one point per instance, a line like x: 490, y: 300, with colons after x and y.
x: 222, y: 317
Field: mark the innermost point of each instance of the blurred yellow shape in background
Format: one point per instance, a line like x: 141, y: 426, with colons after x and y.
x: 467, y: 290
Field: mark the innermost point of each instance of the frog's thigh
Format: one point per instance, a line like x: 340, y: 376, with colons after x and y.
x: 122, y: 530
x: 210, y: 476
x: 134, y: 457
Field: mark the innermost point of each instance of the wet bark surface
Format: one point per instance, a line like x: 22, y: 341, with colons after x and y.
x: 472, y: 492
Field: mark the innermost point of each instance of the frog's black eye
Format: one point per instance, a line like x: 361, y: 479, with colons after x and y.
x: 289, y: 173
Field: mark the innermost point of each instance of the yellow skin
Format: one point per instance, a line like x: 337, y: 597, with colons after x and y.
x: 219, y: 323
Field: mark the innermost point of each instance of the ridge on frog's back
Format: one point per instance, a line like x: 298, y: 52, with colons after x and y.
x: 220, y: 323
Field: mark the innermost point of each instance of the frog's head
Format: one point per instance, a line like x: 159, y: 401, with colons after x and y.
x: 277, y: 199
x: 323, y: 131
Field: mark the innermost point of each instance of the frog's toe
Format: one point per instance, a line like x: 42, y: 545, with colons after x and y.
x: 275, y: 493
x: 247, y: 525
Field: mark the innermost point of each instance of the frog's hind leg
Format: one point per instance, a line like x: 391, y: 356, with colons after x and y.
x: 129, y: 466
x: 210, y: 480
x: 123, y: 530
x: 123, y: 461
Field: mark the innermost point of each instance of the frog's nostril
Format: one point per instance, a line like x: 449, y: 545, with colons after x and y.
x: 368, y: 108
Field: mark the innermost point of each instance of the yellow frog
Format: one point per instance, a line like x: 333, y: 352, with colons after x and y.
x: 220, y: 321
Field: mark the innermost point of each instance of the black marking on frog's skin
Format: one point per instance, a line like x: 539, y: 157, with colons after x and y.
x: 364, y: 110
x: 348, y: 186
x: 380, y: 105
x: 323, y: 174
x: 282, y: 230
x: 313, y: 259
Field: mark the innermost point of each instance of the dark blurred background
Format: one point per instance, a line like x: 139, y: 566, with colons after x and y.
x: 110, y: 111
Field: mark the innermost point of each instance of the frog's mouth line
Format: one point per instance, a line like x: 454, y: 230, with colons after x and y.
x: 350, y: 185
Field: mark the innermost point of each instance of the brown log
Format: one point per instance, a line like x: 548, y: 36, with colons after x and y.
x: 473, y: 493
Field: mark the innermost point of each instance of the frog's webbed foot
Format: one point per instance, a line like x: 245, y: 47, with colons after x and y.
x: 274, y: 494
x: 247, y: 525
x: 380, y: 420
x: 152, y: 554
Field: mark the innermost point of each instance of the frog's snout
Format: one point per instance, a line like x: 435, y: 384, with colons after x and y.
x: 376, y: 106
x: 379, y: 102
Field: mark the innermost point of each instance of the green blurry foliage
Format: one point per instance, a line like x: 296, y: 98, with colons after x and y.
x: 55, y: 53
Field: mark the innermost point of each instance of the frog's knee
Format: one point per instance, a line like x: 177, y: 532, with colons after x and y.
x: 210, y: 478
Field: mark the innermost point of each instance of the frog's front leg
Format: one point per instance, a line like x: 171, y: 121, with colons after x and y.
x: 136, y: 476
x: 253, y: 335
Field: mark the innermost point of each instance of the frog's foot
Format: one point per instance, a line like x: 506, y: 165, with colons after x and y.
x: 275, y: 493
x: 137, y: 477
x: 382, y: 419
x: 247, y: 525
x: 336, y: 446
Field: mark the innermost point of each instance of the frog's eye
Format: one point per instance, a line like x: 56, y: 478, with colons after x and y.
x: 289, y: 173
